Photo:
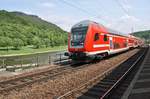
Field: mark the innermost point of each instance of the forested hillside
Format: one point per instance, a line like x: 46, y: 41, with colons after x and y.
x: 143, y: 34
x: 18, y: 29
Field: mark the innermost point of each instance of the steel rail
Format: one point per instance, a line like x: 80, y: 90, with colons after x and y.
x: 99, y: 77
x: 123, y: 76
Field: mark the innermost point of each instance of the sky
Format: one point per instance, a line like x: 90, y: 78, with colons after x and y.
x: 122, y: 15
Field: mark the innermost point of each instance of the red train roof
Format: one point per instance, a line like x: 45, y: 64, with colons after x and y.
x: 88, y: 22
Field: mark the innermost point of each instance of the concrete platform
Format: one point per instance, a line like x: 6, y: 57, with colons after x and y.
x: 140, y: 86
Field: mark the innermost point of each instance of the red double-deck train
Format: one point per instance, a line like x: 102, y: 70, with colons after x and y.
x: 90, y: 40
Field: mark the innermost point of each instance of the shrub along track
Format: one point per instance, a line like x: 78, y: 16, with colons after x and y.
x: 58, y: 81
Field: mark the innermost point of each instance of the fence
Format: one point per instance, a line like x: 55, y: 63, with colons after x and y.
x: 24, y: 62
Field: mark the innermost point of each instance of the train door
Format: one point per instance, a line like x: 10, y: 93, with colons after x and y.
x: 111, y: 42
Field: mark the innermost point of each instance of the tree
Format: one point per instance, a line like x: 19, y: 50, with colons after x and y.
x: 37, y: 42
x: 28, y: 30
x: 17, y: 43
x: 47, y: 42
x: 5, y: 42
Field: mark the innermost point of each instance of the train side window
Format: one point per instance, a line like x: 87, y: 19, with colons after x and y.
x: 96, y: 37
x: 105, y: 37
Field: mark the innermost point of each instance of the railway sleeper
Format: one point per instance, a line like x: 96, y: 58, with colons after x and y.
x: 85, y: 97
x: 106, y: 82
x: 112, y: 77
x: 115, y: 97
x: 94, y: 94
x: 98, y: 89
x: 102, y: 86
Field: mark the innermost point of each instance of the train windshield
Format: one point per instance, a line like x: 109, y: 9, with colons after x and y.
x: 78, y: 36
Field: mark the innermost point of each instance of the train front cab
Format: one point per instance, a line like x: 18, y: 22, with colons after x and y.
x: 87, y: 42
x: 76, y: 42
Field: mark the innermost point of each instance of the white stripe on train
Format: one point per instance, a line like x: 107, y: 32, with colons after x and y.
x: 112, y: 51
x: 100, y: 45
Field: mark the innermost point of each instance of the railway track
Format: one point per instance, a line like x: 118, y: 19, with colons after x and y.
x: 140, y: 83
x: 18, y: 82
x: 117, y: 91
x: 103, y: 86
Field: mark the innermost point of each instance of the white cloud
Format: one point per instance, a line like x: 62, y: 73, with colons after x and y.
x: 126, y: 5
x: 125, y: 23
x: 47, y: 4
x: 129, y: 18
x: 65, y: 22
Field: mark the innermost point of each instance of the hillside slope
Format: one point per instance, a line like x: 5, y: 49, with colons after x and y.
x: 143, y: 34
x: 20, y: 29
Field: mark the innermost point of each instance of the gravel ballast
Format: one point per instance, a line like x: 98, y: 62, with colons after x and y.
x: 64, y: 83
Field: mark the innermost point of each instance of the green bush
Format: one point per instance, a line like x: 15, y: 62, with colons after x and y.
x: 17, y: 43
x: 18, y: 29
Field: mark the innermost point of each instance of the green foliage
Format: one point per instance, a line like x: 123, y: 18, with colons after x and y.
x: 5, y: 41
x: 47, y: 42
x: 37, y: 42
x: 17, y: 43
x: 23, y: 30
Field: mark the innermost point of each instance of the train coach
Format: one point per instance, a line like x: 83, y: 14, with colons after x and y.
x: 89, y: 40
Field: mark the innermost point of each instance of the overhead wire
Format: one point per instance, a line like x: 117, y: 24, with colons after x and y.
x: 83, y: 10
x: 95, y: 15
x: 123, y: 8
x: 129, y: 14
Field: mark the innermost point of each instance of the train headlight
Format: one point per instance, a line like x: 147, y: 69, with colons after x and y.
x: 67, y: 54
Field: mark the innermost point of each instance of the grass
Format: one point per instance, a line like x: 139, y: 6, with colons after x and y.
x: 30, y: 50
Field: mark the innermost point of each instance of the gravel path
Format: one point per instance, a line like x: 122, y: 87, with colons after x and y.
x: 64, y: 83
